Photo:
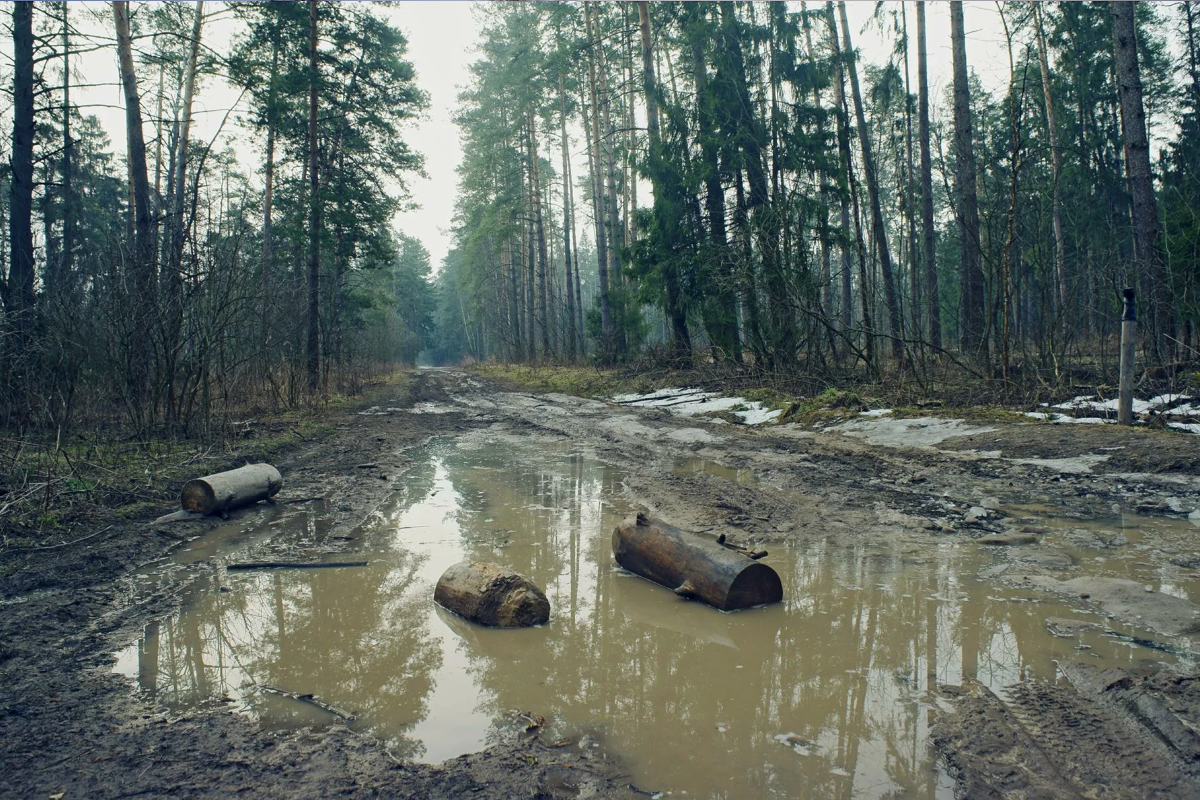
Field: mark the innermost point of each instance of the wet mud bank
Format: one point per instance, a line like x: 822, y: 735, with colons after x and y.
x: 936, y: 573
x: 72, y: 727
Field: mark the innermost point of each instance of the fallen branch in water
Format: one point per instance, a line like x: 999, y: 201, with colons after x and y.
x: 307, y: 698
x: 293, y: 565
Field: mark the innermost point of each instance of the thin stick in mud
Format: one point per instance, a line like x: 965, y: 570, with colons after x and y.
x: 292, y: 565
x: 307, y: 698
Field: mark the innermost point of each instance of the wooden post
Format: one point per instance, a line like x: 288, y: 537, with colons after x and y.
x: 1128, y: 345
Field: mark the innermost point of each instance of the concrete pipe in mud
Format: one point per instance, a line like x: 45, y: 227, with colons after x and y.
x: 694, y: 567
x: 225, y: 491
x: 492, y: 595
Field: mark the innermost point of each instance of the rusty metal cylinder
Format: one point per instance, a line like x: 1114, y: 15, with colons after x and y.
x: 694, y: 567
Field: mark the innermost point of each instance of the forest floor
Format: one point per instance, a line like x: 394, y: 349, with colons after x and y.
x: 70, y: 727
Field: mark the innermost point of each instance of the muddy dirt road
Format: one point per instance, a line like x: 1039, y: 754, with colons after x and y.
x: 1006, y: 609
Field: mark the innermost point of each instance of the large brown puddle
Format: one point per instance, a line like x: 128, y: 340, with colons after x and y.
x: 830, y: 694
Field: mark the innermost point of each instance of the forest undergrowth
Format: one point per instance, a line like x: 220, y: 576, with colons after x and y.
x: 55, y: 485
x: 935, y: 386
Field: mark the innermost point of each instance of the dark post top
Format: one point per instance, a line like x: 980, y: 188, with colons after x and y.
x: 1130, y: 314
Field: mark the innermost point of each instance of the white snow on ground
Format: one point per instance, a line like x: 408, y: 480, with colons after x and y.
x: 1066, y: 420
x: 659, y: 397
x: 1089, y: 402
x: 876, y: 412
x: 1108, y: 408
x: 757, y: 416
x: 920, y: 432
x: 692, y: 402
x: 1165, y: 399
x: 1076, y: 465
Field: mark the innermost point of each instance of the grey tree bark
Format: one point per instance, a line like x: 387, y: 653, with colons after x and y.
x: 1146, y: 231
x: 313, y: 343
x: 1060, y: 247
x: 878, y: 226
x: 927, y: 225
x: 966, y: 191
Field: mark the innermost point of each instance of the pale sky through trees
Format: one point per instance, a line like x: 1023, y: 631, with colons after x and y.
x: 442, y: 35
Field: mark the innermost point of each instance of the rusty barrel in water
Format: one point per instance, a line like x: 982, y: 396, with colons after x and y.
x: 693, y: 566
x: 492, y: 595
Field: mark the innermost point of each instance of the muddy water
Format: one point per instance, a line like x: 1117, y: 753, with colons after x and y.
x: 829, y: 694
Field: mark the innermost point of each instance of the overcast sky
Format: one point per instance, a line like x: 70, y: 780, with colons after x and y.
x: 442, y: 37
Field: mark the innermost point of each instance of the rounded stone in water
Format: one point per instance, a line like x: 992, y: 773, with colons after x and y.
x: 492, y: 595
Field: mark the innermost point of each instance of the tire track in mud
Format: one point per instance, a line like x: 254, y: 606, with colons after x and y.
x: 1047, y: 742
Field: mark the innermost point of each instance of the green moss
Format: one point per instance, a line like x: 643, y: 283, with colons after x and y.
x: 580, y: 381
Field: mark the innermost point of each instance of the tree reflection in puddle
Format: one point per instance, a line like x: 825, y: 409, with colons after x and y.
x: 829, y: 694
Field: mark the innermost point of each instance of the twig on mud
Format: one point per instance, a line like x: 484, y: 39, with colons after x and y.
x: 62, y: 544
x: 54, y: 764
x: 293, y: 565
x: 307, y: 698
x: 296, y: 500
x: 555, y: 745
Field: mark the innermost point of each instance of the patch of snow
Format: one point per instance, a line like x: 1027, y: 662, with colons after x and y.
x: 1165, y: 399
x: 1077, y: 465
x: 658, y: 398
x: 693, y: 402
x: 429, y: 408
x: 919, y: 432
x: 693, y: 436
x: 1186, y: 427
x: 876, y: 412
x: 757, y: 416
x: 1091, y: 403
x: 1063, y: 419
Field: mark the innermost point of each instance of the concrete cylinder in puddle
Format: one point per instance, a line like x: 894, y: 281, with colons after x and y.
x: 225, y: 491
x: 492, y: 595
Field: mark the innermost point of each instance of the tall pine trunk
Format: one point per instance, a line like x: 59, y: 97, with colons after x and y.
x: 841, y: 112
x: 1146, y: 245
x: 185, y: 123
x: 878, y: 226
x: 910, y: 218
x: 142, y: 265
x: 1060, y: 247
x: 543, y: 265
x: 20, y: 297
x: 268, y: 202
x: 566, y: 179
x: 927, y: 225
x: 599, y: 201
x: 66, y: 265
x: 313, y: 344
x: 973, y: 340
